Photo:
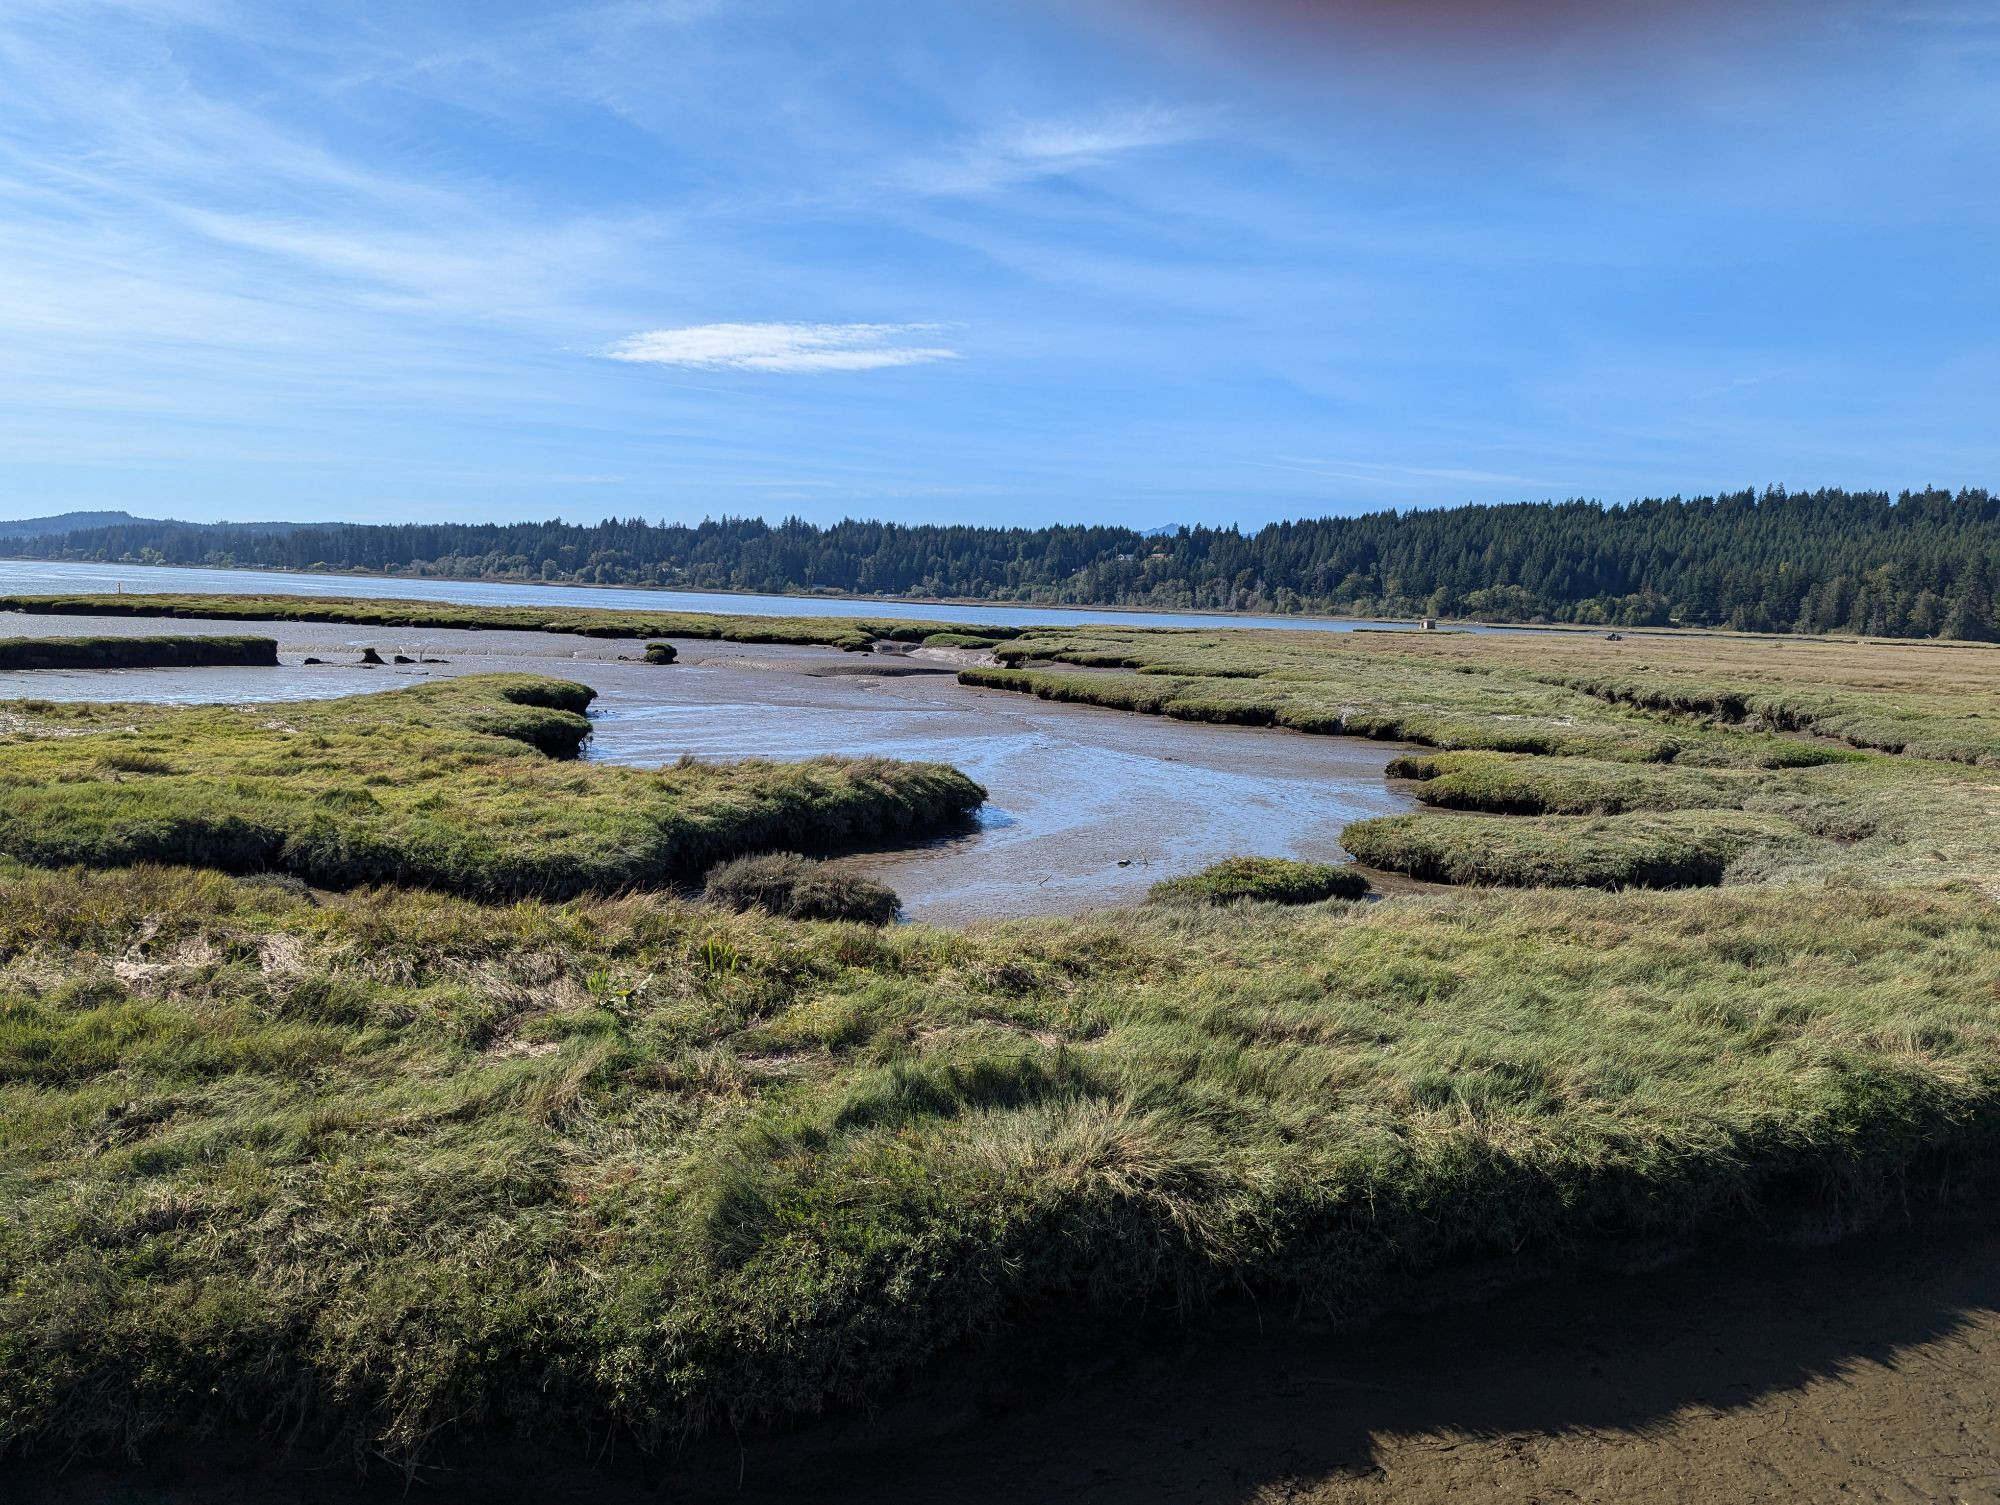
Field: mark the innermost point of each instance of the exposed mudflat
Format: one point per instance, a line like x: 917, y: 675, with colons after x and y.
x: 1088, y: 806
x: 1866, y: 1372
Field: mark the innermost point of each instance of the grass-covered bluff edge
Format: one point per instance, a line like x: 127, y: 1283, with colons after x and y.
x: 467, y: 785
x: 401, y: 1166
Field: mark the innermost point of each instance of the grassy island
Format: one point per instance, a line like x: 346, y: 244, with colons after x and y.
x: 467, y: 785
x: 374, y: 1168
x: 181, y: 652
x: 1272, y: 880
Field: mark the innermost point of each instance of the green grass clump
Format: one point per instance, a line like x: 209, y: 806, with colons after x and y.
x: 1504, y: 784
x: 400, y: 1165
x: 1678, y: 850
x: 1271, y: 880
x: 796, y: 888
x: 467, y: 785
x: 960, y: 640
x: 661, y: 653
x: 168, y: 652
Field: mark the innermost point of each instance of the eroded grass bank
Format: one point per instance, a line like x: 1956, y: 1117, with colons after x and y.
x: 409, y: 1163
x: 186, y: 652
x: 461, y: 785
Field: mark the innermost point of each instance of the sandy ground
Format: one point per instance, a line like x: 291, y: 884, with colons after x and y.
x: 1867, y: 1372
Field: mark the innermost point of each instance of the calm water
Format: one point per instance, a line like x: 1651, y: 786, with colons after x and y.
x: 1087, y: 807
x: 23, y: 577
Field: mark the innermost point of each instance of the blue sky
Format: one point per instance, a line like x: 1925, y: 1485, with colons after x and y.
x: 1110, y: 260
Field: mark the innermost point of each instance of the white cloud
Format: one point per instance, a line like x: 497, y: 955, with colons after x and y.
x: 791, y: 348
x: 1053, y: 148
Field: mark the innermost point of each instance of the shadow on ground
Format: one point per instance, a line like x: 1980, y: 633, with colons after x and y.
x: 1870, y: 1370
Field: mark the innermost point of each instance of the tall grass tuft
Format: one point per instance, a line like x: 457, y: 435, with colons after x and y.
x: 1271, y: 880
x: 797, y: 888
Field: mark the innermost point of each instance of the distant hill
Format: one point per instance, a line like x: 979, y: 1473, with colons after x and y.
x: 1919, y: 564
x: 65, y: 522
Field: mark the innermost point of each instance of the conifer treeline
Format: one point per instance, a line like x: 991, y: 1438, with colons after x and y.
x: 1922, y: 564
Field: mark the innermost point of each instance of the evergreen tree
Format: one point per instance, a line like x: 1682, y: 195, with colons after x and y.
x: 1919, y: 564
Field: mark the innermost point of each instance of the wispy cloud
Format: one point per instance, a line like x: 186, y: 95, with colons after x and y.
x: 252, y: 251
x: 1741, y: 383
x: 1374, y: 474
x: 1031, y: 149
x: 790, y: 348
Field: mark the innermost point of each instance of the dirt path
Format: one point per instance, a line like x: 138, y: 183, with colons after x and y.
x: 1870, y: 1372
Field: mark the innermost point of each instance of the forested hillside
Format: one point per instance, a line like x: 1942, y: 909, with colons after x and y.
x: 62, y: 522
x: 1922, y: 564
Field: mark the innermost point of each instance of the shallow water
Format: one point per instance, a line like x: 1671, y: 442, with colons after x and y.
x: 1087, y: 807
x: 35, y: 577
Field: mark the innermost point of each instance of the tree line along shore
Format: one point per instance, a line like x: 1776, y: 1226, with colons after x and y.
x: 510, y: 1134
x: 1921, y: 564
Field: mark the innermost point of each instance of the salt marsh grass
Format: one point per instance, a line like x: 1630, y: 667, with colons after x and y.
x: 406, y: 1162
x: 468, y: 785
x: 369, y: 1167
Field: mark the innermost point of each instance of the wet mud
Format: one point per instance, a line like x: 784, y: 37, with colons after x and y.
x: 1087, y: 807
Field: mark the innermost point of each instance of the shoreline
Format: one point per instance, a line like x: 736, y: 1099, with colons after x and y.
x: 1223, y: 618
x: 731, y: 590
